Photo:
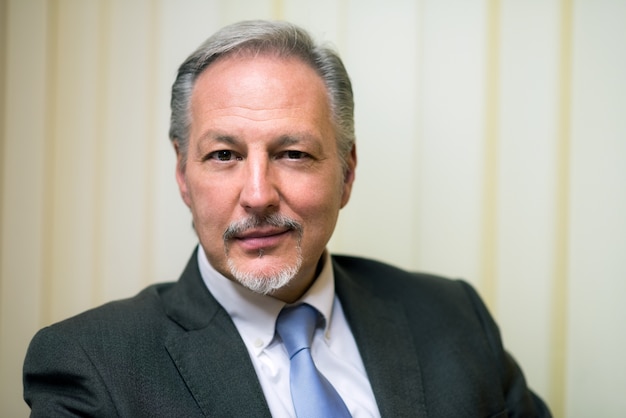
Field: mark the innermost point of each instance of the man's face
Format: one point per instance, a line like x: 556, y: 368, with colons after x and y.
x: 262, y: 146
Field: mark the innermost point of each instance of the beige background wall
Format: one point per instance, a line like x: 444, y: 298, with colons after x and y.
x: 491, y: 139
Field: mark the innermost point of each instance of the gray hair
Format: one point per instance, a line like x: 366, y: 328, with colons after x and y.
x: 283, y: 39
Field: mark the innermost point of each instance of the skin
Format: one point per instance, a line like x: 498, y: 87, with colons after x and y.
x: 262, y: 142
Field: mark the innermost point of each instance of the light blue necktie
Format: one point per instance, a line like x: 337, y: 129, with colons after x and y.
x: 312, y: 395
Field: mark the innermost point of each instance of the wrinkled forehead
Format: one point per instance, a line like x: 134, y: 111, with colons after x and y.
x: 254, y: 82
x: 261, y: 91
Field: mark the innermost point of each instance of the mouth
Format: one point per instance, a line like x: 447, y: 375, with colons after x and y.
x: 261, y: 239
x: 256, y: 235
x: 261, y: 233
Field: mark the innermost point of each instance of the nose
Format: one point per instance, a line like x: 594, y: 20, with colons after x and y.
x: 259, y: 192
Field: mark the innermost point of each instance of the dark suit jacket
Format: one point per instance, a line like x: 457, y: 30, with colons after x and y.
x: 429, y: 346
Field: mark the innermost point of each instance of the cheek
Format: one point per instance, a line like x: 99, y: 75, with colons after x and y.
x: 318, y: 204
x: 208, y: 203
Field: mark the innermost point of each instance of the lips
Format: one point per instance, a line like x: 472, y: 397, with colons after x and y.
x: 262, y: 238
x: 261, y: 232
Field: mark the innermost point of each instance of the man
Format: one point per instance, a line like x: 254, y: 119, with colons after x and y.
x: 262, y: 125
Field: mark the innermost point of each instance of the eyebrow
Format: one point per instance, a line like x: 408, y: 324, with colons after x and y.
x: 281, y: 141
x: 216, y: 136
x: 300, y: 138
x: 285, y: 140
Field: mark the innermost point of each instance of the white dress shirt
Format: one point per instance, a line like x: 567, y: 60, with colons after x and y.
x: 333, y: 348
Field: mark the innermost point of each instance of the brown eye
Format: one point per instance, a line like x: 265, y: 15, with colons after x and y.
x: 294, y: 155
x: 224, y: 155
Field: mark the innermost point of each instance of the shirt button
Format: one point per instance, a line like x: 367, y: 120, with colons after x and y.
x: 258, y: 343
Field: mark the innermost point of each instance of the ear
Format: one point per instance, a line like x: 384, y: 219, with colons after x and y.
x: 348, y: 176
x: 181, y: 176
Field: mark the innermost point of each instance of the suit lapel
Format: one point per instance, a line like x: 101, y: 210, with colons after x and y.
x: 215, y: 365
x: 384, y: 339
x: 208, y: 351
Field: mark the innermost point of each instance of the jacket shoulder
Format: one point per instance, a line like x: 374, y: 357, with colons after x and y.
x: 449, y: 325
x: 388, y: 280
x: 111, y: 329
x: 88, y: 362
x: 136, y: 309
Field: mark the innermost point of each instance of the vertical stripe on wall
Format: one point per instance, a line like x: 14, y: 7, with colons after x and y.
x: 49, y: 169
x: 278, y: 9
x: 151, y: 103
x: 98, y: 279
x: 3, y: 77
x: 418, y: 129
x: 490, y: 185
x: 560, y: 289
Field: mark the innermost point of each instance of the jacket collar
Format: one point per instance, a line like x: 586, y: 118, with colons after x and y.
x: 208, y: 351
x: 215, y: 365
x: 384, y: 338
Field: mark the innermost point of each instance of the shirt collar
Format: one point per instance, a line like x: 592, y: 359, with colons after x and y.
x: 254, y: 314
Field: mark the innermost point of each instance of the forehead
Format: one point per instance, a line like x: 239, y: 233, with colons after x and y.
x: 260, y: 90
x: 256, y: 77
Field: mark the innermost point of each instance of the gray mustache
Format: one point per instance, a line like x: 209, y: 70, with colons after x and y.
x: 275, y: 219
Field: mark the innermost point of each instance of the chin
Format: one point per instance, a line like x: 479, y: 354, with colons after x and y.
x: 265, y: 279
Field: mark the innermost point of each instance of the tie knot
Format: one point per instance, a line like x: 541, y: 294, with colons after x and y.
x: 296, y: 326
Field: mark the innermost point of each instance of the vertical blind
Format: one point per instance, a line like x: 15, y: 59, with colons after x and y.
x: 492, y: 147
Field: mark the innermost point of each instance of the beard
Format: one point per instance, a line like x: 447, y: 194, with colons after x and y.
x: 264, y: 282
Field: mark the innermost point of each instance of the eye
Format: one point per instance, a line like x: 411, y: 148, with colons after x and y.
x: 295, y: 155
x: 223, y: 155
